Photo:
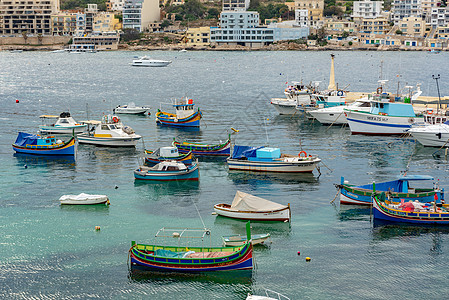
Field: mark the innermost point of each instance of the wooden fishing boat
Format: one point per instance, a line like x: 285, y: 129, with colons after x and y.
x: 168, y: 171
x: 395, y: 189
x: 200, y: 149
x: 409, y: 212
x: 35, y: 144
x: 184, y: 116
x: 167, y: 153
x: 264, y: 159
x: 183, y: 259
x: 239, y: 240
x: 83, y: 199
x: 249, y: 207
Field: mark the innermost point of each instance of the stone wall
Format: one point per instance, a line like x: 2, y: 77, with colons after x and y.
x: 46, y: 40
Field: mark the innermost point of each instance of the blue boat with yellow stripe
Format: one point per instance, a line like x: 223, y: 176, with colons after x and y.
x: 184, y: 116
x: 38, y: 145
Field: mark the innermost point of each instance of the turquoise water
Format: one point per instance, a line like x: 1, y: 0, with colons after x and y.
x: 48, y: 251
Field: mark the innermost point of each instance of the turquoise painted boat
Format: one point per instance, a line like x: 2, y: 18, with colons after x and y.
x: 38, y: 145
x: 168, y: 171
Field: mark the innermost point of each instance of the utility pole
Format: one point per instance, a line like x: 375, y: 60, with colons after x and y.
x: 438, y: 89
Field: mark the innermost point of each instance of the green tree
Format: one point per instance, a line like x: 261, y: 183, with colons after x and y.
x: 333, y: 11
x: 165, y: 24
x: 398, y: 32
x: 130, y: 34
x: 345, y: 34
x: 213, y: 13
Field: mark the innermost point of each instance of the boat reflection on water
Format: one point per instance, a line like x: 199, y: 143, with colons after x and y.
x: 257, y: 178
x: 155, y: 189
x: 236, y: 226
x: 45, y: 161
x: 88, y: 209
x: 354, y: 213
x: 243, y: 277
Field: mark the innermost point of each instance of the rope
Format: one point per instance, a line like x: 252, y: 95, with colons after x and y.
x: 441, y: 147
x: 204, y: 226
x: 338, y: 192
x: 334, y: 121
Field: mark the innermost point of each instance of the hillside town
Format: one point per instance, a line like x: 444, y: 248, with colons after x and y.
x: 225, y: 25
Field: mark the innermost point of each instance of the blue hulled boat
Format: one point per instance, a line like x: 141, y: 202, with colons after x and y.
x: 396, y: 190
x: 167, y: 153
x: 39, y: 145
x: 168, y: 171
x: 200, y: 149
x: 184, y: 116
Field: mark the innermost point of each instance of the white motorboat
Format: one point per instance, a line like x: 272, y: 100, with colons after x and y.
x: 146, y: 61
x: 131, y: 108
x: 239, y: 240
x: 432, y: 135
x: 84, y: 199
x: 64, y: 124
x: 335, y: 115
x: 296, y: 94
x: 249, y: 207
x: 109, y: 132
x: 269, y: 295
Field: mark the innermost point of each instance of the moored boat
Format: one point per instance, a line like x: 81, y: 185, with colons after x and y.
x: 201, y: 149
x: 239, y: 240
x: 184, y: 116
x: 167, y: 153
x: 297, y: 94
x: 409, y: 212
x: 64, y: 124
x: 168, y: 171
x: 83, y: 199
x: 188, y: 259
x: 40, y: 145
x: 396, y: 190
x: 130, y: 108
x: 335, y: 115
x: 249, y: 207
x: 146, y: 61
x: 264, y: 159
x: 432, y: 135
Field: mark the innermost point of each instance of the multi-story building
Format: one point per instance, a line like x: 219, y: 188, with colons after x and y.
x: 405, y: 8
x: 371, y: 27
x: 302, y: 17
x: 63, y: 24
x: 106, y: 22
x: 105, y: 41
x: 315, y: 11
x: 439, y: 17
x: 427, y: 5
x: 198, y: 36
x: 340, y: 26
x: 367, y: 9
x: 30, y: 16
x: 412, y: 26
x: 231, y: 5
x: 116, y: 5
x: 138, y: 14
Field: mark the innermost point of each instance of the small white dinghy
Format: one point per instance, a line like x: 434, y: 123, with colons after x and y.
x: 84, y: 199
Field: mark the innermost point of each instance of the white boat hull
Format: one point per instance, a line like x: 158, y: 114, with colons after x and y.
x: 254, y: 241
x: 133, y: 111
x: 274, y: 166
x: 370, y: 124
x: 280, y: 215
x: 86, y: 200
x: 284, y: 106
x: 151, y: 63
x: 432, y: 136
x: 351, y: 201
x: 61, y: 129
x: 109, y: 141
x: 329, y: 117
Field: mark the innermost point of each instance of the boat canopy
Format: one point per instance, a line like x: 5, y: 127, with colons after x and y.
x: 244, y: 151
x: 246, y: 202
x: 91, y: 122
x: 415, y: 177
x: 48, y: 117
x: 24, y: 139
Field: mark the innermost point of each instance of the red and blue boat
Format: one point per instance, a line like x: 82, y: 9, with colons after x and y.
x: 39, y: 145
x: 186, y: 259
x: 185, y: 115
x: 167, y: 153
x: 409, y: 212
x: 168, y: 171
x: 201, y: 149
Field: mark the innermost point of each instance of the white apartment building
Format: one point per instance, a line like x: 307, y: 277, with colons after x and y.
x: 231, y: 5
x: 117, y: 5
x: 302, y: 17
x: 439, y: 17
x: 138, y: 14
x: 427, y: 5
x: 30, y: 16
x: 405, y: 8
x: 366, y: 9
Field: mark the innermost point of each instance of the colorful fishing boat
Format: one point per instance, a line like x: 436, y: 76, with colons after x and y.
x: 249, y: 207
x: 184, y: 116
x: 168, y: 171
x: 200, y: 149
x: 39, y: 145
x: 395, y: 190
x: 409, y: 212
x: 64, y: 124
x: 264, y: 159
x: 239, y: 240
x: 167, y: 153
x: 187, y: 259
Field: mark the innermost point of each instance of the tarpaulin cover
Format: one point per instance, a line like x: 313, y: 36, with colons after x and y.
x: 26, y: 138
x: 393, y: 186
x: 246, y: 202
x: 244, y: 151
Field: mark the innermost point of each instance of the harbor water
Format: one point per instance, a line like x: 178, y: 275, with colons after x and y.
x: 48, y: 251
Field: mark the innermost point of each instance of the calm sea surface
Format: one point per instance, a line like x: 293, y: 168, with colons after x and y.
x: 53, y: 252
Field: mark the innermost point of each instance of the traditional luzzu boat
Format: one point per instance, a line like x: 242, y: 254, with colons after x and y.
x: 409, y: 212
x: 167, y: 153
x: 39, y: 145
x: 249, y: 207
x: 184, y: 116
x: 109, y: 132
x: 168, y: 171
x: 200, y: 149
x: 64, y: 124
x: 187, y: 259
x: 264, y: 159
x: 396, y: 190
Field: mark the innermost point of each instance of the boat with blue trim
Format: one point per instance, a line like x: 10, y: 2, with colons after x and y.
x: 265, y: 159
x: 409, y: 212
x: 39, y: 145
x: 64, y: 124
x: 184, y: 116
x: 201, y: 149
x: 167, y: 153
x: 395, y: 190
x: 187, y: 259
x: 168, y: 171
